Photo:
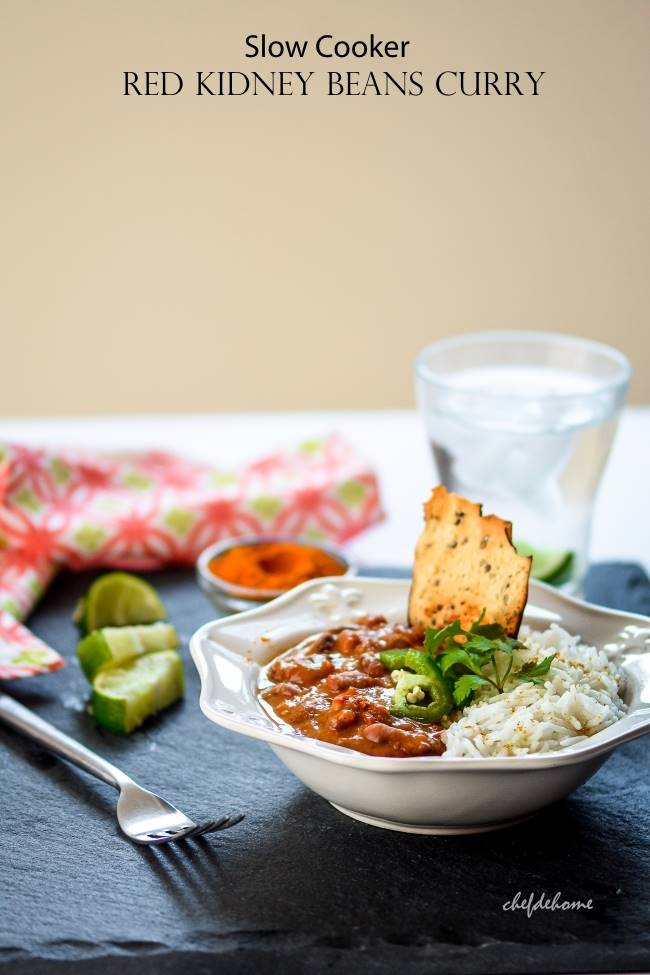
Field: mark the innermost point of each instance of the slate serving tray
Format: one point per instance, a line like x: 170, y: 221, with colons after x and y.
x: 297, y: 887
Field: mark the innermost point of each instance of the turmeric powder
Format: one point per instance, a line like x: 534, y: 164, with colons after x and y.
x: 274, y: 566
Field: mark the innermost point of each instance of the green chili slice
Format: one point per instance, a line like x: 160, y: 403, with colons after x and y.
x: 422, y: 693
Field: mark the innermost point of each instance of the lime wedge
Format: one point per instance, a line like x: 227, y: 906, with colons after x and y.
x: 114, y: 645
x: 548, y: 566
x: 124, y: 697
x: 118, y: 599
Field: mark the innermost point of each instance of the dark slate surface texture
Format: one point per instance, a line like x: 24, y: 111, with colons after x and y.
x: 297, y: 887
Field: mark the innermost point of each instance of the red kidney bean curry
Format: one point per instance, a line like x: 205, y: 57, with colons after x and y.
x: 333, y: 687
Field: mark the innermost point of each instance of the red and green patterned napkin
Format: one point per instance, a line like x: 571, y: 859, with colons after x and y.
x: 82, y: 509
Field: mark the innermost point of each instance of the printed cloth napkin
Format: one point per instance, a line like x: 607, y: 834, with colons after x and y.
x: 81, y: 510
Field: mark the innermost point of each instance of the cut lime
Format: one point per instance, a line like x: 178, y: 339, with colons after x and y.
x: 114, y: 645
x: 118, y: 599
x: 548, y: 566
x: 124, y: 697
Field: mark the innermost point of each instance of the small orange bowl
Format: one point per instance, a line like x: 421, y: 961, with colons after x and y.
x: 229, y: 597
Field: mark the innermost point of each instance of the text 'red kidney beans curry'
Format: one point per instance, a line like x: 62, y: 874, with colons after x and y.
x: 333, y: 687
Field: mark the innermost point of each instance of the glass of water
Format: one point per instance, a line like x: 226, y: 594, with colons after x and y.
x: 523, y: 423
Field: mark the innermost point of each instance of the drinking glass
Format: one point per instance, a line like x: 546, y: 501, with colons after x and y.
x: 523, y: 423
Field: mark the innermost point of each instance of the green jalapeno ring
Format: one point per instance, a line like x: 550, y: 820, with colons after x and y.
x: 408, y: 659
x: 418, y: 670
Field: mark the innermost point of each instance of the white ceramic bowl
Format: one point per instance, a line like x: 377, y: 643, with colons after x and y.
x: 419, y: 795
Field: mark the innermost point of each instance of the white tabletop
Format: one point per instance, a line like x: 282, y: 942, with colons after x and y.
x: 394, y: 443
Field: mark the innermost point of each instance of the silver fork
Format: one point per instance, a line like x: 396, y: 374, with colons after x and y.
x: 142, y: 816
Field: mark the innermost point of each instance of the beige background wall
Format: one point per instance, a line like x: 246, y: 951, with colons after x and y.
x: 241, y: 253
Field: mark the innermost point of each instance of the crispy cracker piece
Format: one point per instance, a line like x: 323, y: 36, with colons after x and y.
x: 465, y: 562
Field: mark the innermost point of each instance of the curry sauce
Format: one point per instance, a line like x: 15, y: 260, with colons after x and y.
x: 333, y: 687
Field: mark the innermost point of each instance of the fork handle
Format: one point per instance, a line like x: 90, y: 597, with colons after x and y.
x: 30, y: 725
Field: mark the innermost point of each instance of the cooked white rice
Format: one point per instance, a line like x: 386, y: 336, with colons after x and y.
x: 580, y: 697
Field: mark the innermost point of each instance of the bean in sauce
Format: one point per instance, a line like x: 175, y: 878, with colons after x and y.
x: 333, y: 687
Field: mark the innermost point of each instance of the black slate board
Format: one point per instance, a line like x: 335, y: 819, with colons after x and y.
x: 297, y: 887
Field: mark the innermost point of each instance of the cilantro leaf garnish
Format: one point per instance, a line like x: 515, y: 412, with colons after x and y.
x: 460, y: 657
x: 465, y: 687
x: 537, y: 674
x: 478, y: 656
x: 436, y: 638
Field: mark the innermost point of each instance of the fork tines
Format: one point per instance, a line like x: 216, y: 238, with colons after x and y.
x: 201, y: 829
x: 213, y: 825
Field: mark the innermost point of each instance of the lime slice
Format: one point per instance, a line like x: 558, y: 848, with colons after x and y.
x: 548, y: 566
x: 118, y: 599
x: 124, y: 697
x: 114, y: 645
